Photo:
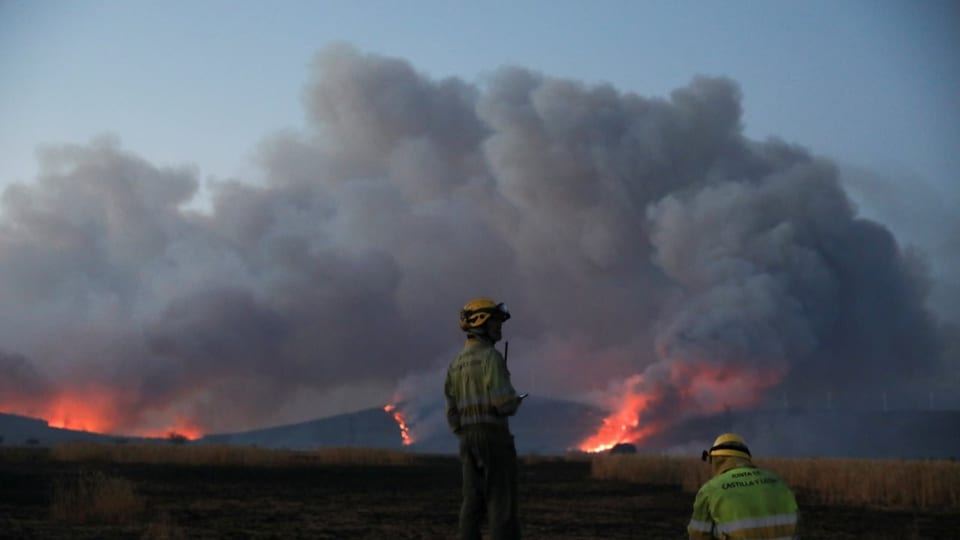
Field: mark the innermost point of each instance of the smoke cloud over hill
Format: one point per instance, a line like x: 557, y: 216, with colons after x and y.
x: 635, y: 239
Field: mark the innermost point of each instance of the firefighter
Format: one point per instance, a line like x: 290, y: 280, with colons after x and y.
x: 479, y: 399
x: 741, y: 500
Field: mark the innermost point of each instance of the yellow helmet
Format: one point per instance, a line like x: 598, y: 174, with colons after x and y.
x: 476, y: 312
x: 728, y: 444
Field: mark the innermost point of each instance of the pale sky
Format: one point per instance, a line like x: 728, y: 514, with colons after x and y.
x: 869, y: 83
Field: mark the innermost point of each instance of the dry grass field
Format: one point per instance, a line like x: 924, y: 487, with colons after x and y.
x: 173, y: 492
x: 214, y: 455
x: 885, y: 484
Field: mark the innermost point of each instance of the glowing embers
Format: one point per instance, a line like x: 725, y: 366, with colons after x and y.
x: 181, y: 429
x: 398, y: 417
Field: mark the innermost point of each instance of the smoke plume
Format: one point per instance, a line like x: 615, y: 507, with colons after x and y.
x: 628, y: 235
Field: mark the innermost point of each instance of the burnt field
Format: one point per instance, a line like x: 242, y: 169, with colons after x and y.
x: 44, y: 497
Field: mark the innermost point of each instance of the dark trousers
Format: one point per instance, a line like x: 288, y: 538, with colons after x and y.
x: 489, y: 460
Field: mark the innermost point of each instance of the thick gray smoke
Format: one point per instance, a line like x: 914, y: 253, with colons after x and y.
x: 627, y: 234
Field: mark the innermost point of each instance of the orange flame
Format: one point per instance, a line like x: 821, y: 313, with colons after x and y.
x: 94, y: 409
x: 74, y: 411
x: 699, y: 389
x: 398, y: 417
x: 623, y: 425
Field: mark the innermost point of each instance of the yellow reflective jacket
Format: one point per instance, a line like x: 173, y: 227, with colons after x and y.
x: 745, y: 502
x: 478, y: 389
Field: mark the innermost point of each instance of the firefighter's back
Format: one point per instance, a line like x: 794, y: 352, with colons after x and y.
x: 750, y: 502
x: 476, y: 386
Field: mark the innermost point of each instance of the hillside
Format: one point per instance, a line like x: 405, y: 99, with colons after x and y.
x: 23, y: 430
x: 547, y: 426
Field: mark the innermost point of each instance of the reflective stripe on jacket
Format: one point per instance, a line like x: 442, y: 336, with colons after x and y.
x: 478, y: 389
x: 744, y: 503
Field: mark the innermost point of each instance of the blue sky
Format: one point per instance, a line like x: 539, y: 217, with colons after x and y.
x: 869, y: 83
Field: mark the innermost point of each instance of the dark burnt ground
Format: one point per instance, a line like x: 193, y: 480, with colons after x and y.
x: 559, y: 500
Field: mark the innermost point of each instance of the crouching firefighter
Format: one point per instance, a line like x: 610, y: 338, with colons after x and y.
x: 741, y: 501
x: 479, y: 399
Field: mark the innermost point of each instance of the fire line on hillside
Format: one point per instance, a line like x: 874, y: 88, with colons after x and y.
x: 94, y: 410
x: 401, y: 421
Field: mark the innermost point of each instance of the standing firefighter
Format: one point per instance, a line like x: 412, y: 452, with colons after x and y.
x: 479, y: 400
x: 741, y: 501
